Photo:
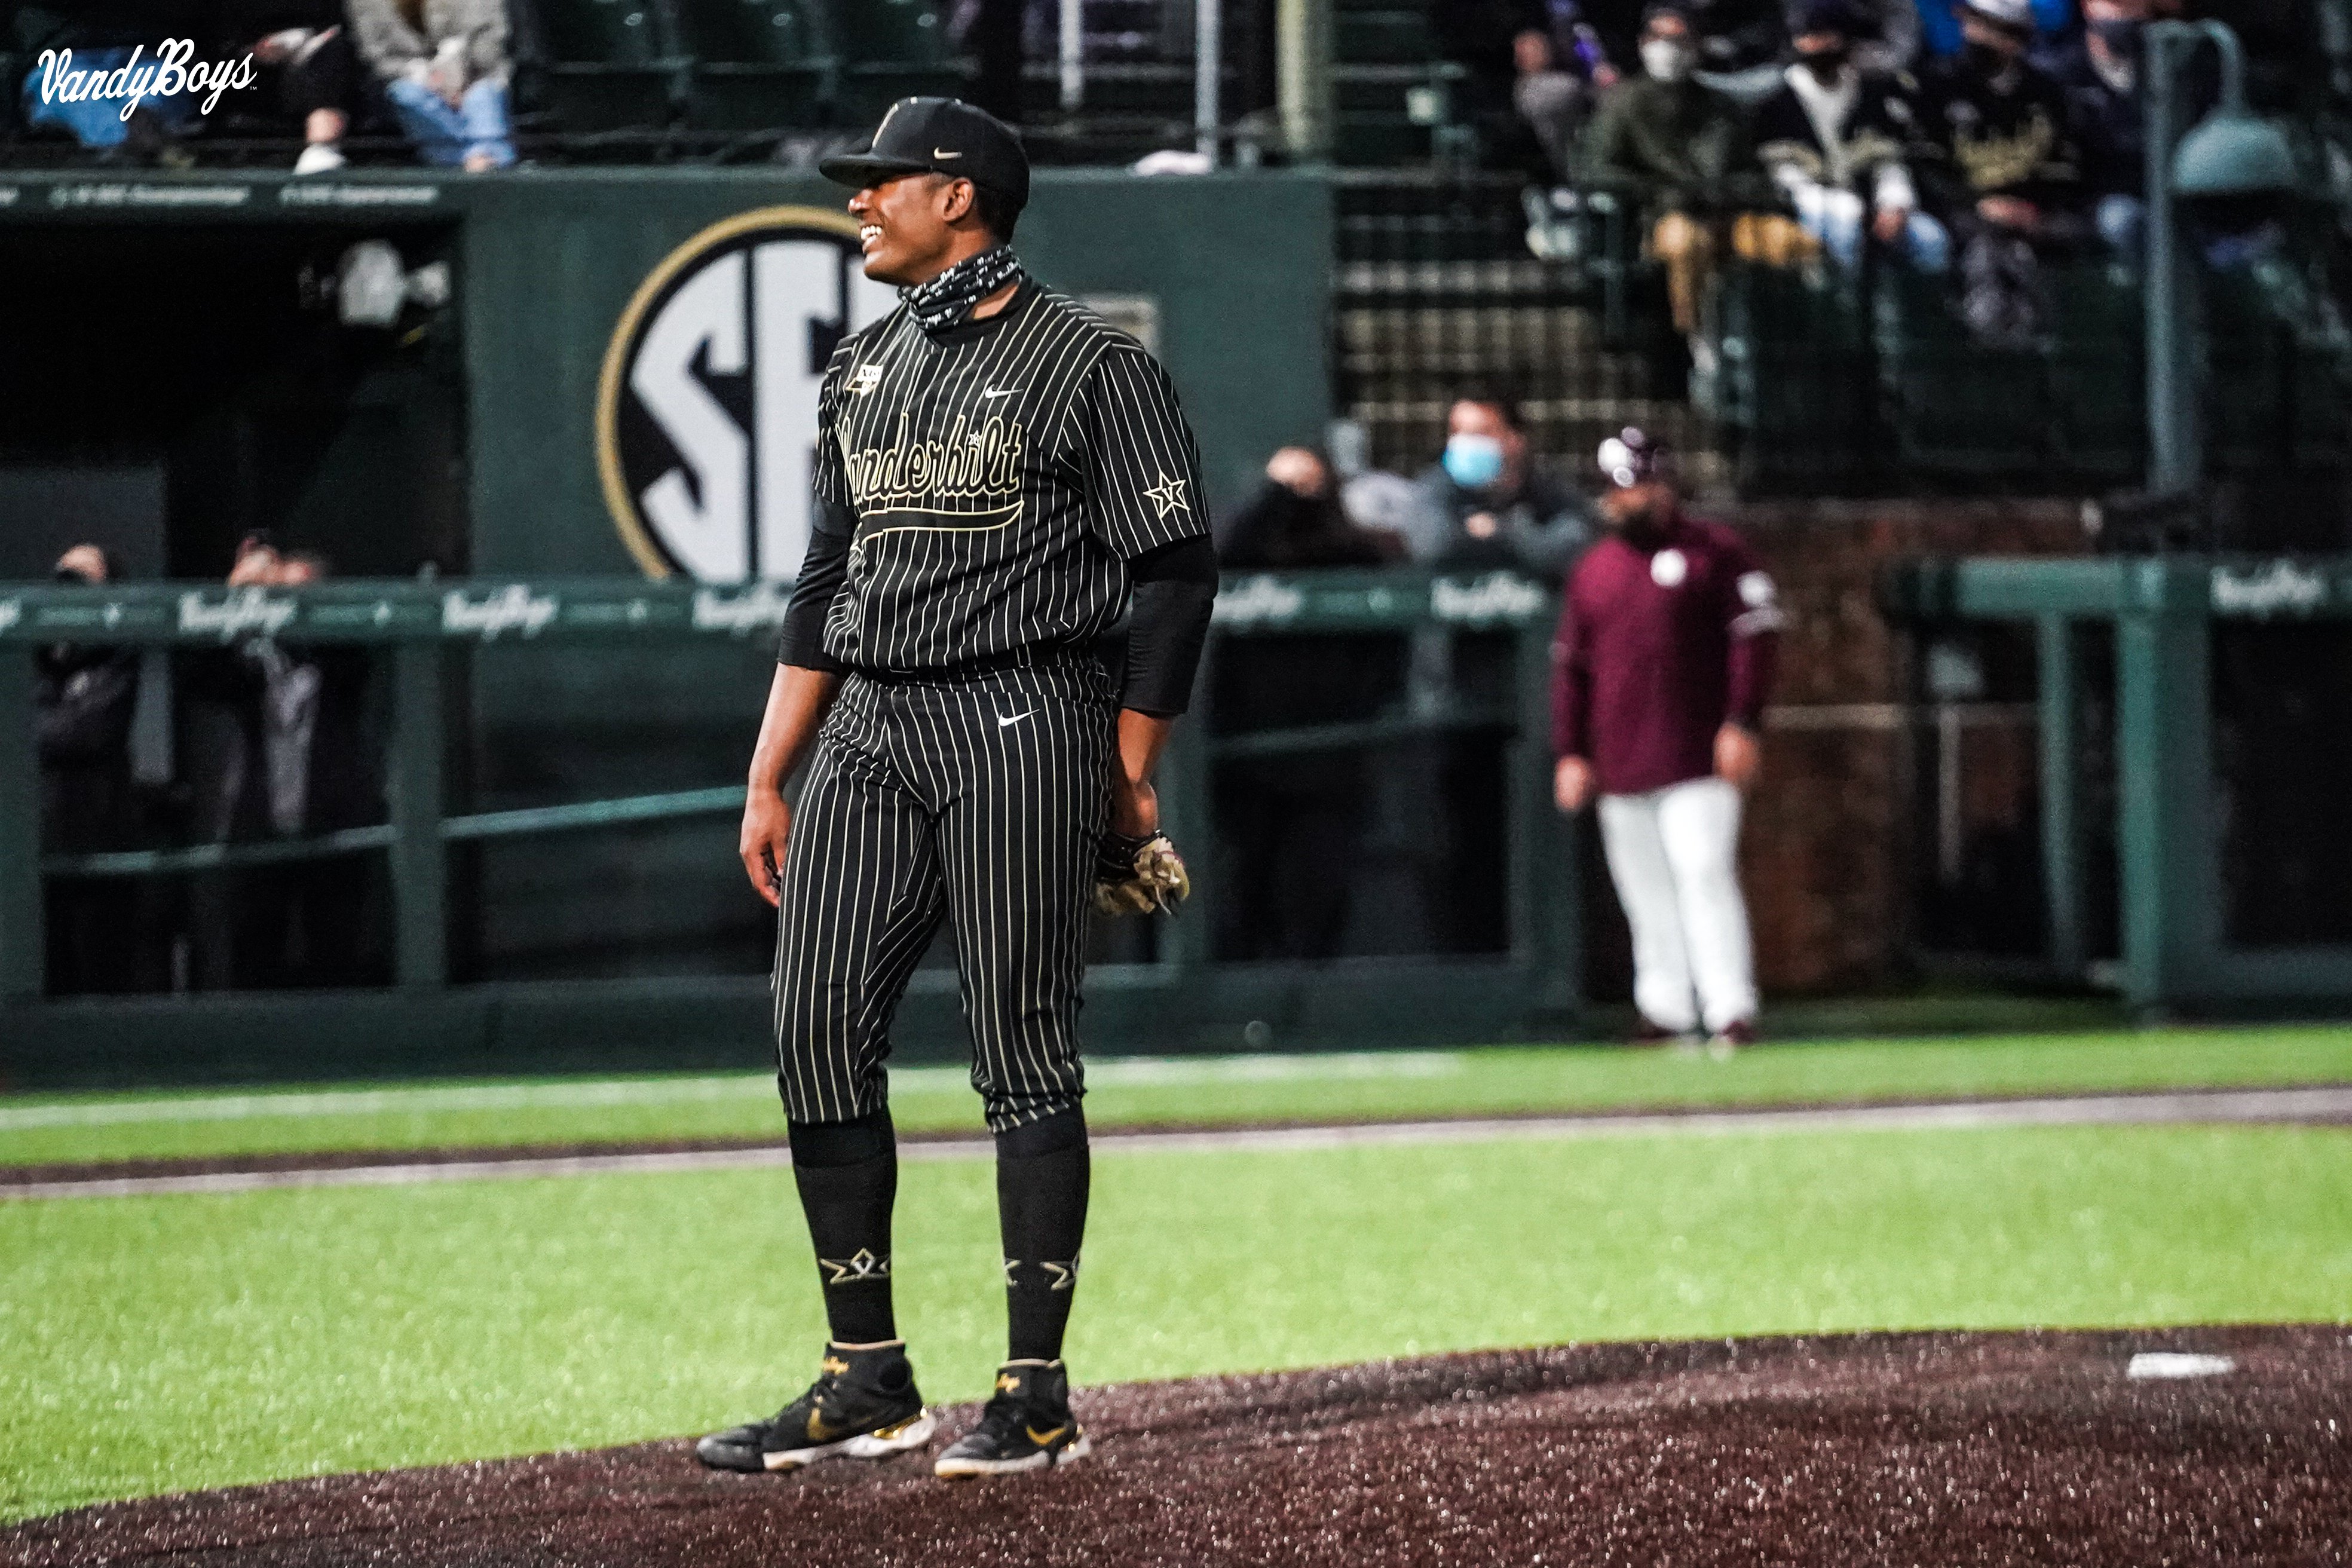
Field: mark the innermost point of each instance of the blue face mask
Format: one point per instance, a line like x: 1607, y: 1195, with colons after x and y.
x: 1474, y: 462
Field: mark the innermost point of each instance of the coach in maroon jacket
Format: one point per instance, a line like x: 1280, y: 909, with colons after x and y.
x: 1662, y: 663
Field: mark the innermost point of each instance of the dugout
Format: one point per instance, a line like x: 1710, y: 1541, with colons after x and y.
x: 185, y: 366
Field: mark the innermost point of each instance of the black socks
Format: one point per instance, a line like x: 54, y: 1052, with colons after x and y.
x: 1040, y: 1206
x: 847, y: 1172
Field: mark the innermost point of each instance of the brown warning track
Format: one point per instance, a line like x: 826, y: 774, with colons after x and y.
x: 1942, y: 1448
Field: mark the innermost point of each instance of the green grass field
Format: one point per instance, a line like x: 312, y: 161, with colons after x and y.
x: 47, y: 1129
x: 150, y: 1344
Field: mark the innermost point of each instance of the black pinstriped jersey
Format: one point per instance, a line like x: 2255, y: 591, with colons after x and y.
x: 994, y: 479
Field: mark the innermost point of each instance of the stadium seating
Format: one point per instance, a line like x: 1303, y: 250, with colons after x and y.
x: 1391, y: 96
x: 610, y: 64
x: 887, y: 49
x: 758, y: 64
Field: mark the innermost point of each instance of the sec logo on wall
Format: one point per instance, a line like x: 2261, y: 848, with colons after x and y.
x: 706, y: 412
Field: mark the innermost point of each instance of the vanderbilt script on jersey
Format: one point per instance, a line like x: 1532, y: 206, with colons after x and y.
x: 987, y: 483
x: 970, y: 477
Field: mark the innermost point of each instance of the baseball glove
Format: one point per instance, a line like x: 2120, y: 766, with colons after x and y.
x: 1138, y: 876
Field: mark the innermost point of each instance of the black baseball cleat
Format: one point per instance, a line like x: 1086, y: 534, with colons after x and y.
x: 864, y: 1407
x: 1027, y: 1426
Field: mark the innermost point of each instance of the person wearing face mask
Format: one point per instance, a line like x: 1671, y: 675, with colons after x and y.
x: 1885, y: 35
x: 1833, y: 139
x: 1668, y: 633
x: 1486, y: 504
x: 1684, y: 148
x: 1997, y: 163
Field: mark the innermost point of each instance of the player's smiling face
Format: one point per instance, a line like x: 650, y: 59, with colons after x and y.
x: 906, y: 226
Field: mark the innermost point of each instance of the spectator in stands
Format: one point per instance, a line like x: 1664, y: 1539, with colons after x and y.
x: 2100, y: 76
x: 1487, y: 504
x: 1740, y: 43
x: 444, y: 65
x: 1667, y: 635
x: 83, y: 699
x: 103, y: 35
x: 1834, y: 139
x: 309, y: 65
x: 1943, y: 30
x: 1293, y: 825
x: 1887, y: 34
x: 1997, y: 157
x: 1554, y: 98
x: 1685, y: 149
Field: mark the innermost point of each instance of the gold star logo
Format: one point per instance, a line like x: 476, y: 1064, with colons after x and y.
x: 1168, y: 496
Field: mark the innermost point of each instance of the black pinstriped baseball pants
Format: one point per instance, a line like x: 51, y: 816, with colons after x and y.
x: 979, y: 800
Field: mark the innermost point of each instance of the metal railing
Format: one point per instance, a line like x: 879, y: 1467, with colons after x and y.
x: 415, y: 623
x: 2168, y: 831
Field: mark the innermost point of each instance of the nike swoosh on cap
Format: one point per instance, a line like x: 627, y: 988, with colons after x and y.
x: 937, y: 154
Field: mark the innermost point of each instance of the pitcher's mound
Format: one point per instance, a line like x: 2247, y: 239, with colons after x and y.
x: 2190, y: 1446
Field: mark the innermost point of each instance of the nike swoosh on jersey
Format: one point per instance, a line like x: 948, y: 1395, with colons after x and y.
x: 1000, y: 392
x: 1004, y: 723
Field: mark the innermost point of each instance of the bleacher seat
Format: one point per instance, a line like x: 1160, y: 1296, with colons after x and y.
x: 890, y: 49
x: 1954, y: 408
x: 2096, y: 387
x: 611, y: 64
x: 758, y: 64
x: 1795, y: 379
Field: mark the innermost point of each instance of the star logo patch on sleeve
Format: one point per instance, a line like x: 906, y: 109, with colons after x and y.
x: 1167, y: 497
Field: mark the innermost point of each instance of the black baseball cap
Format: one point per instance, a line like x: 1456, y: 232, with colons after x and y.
x: 937, y: 136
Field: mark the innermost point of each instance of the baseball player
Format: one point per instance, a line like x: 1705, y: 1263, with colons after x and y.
x: 1667, y: 635
x: 999, y: 476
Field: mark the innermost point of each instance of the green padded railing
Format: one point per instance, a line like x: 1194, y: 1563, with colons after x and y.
x: 415, y: 621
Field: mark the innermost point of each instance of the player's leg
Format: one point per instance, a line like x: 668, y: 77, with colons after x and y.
x: 1638, y: 867
x: 1698, y: 825
x: 861, y: 897
x: 1019, y: 765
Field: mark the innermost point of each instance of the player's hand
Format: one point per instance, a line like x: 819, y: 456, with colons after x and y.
x: 1134, y: 807
x: 767, y: 826
x: 1571, y: 785
x: 1738, y: 756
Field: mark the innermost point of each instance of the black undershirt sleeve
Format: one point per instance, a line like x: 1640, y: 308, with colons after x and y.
x: 1175, y: 586
x: 826, y: 567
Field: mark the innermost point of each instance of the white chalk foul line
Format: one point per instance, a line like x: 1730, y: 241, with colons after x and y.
x: 1117, y: 1072
x: 2124, y: 1110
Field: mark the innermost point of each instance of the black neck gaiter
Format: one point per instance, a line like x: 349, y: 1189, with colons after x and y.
x: 949, y: 298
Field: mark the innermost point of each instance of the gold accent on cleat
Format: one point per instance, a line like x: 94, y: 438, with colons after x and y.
x: 1007, y: 1383
x: 1044, y: 1439
x: 897, y: 1426
x: 834, y: 1365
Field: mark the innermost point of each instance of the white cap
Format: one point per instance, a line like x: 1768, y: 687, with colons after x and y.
x: 2007, y: 13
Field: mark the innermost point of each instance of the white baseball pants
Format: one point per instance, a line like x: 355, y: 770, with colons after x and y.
x: 1674, y: 854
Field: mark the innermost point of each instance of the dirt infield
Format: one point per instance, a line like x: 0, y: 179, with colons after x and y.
x: 1942, y: 1448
